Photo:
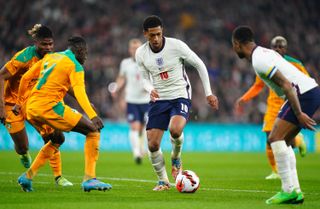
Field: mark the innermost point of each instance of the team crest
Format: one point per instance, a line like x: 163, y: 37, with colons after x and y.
x: 159, y: 61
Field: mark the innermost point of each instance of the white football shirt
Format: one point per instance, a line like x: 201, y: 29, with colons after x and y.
x: 134, y: 90
x: 166, y: 69
x: 267, y: 62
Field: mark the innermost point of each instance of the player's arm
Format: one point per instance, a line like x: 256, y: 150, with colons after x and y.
x: 120, y: 81
x: 32, y: 74
x: 291, y: 96
x: 4, y: 75
x: 196, y: 62
x: 252, y: 92
x: 146, y: 81
x: 77, y: 83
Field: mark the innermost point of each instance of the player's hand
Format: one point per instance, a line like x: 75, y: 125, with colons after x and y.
x: 306, y: 121
x: 213, y: 102
x: 16, y: 109
x: 238, y: 106
x: 97, y: 122
x: 154, y: 95
x: 2, y: 115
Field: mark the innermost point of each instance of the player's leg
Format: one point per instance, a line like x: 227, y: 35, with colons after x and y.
x: 176, y: 126
x: 156, y: 157
x: 158, y: 121
x: 282, y: 131
x: 134, y: 136
x: 179, y: 116
x: 21, y: 145
x: 46, y: 152
x: 91, y: 151
x: 300, y: 144
x: 16, y: 128
x: 274, y: 173
x: 49, y: 134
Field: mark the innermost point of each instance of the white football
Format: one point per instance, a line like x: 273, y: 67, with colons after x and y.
x: 187, y: 181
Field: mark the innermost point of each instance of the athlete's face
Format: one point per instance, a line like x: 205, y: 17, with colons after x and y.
x: 44, y: 46
x: 279, y: 47
x: 237, y: 48
x: 155, y: 37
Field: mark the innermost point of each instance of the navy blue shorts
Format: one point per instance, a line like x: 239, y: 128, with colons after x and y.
x: 160, y: 112
x: 137, y: 112
x: 309, y: 101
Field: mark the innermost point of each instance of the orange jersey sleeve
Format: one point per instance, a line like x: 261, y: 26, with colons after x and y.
x: 17, y: 66
x: 77, y: 83
x: 254, y: 90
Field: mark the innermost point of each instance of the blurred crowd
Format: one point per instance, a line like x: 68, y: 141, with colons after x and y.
x: 204, y: 25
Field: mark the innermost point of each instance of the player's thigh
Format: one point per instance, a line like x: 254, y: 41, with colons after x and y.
x: 136, y: 125
x: 14, y: 123
x: 283, y: 130
x: 176, y: 125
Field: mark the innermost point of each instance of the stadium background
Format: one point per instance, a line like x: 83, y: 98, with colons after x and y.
x: 204, y: 25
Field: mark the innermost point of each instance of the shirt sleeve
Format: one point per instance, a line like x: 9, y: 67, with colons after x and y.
x: 27, y: 82
x: 14, y: 65
x: 192, y: 58
x: 264, y: 63
x: 147, y: 84
x: 254, y: 90
x: 77, y: 83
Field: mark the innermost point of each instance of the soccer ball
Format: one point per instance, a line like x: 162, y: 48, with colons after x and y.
x: 187, y: 181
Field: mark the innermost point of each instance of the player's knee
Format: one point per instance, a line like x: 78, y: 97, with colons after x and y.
x: 57, y: 137
x: 153, y: 146
x: 175, y: 133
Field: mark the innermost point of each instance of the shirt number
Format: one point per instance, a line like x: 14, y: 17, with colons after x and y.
x: 164, y: 75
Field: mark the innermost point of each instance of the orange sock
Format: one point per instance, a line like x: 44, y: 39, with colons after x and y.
x: 91, y: 152
x: 271, y: 159
x: 55, y: 164
x: 46, y: 152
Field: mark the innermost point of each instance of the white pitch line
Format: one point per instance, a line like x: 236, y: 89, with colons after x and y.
x: 146, y: 181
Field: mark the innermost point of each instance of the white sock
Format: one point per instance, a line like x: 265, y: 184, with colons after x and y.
x: 281, y: 155
x: 176, y: 146
x: 135, y: 145
x: 158, y: 164
x: 143, y: 142
x: 293, y: 167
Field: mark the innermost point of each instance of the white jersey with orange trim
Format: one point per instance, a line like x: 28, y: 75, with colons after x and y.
x: 167, y: 71
x: 267, y: 62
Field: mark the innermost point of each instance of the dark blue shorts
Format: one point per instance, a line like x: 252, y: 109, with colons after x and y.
x: 137, y: 112
x: 160, y: 112
x: 309, y: 101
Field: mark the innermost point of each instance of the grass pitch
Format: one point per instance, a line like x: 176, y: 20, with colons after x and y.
x: 228, y: 180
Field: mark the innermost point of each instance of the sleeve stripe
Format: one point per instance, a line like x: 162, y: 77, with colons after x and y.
x: 271, y: 71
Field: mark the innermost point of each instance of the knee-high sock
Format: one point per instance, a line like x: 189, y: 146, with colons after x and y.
x: 55, y: 164
x: 135, y: 144
x: 143, y: 142
x: 271, y: 159
x: 294, y: 173
x: 158, y: 164
x: 176, y: 146
x: 46, y: 152
x: 91, y: 152
x: 281, y: 155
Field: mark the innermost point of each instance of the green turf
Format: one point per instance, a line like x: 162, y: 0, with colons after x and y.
x: 228, y: 180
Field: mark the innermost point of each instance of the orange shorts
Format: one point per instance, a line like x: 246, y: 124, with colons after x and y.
x: 14, y: 123
x: 57, y: 115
